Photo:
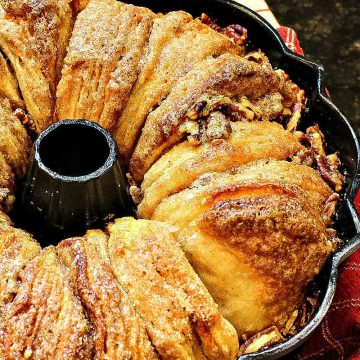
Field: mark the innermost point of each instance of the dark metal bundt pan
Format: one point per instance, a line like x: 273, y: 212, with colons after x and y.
x: 74, y: 182
x: 339, y: 131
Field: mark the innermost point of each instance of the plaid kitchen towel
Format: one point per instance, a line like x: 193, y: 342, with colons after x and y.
x: 338, y: 337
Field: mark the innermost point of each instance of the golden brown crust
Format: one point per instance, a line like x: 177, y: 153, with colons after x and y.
x: 15, y: 144
x: 118, y: 331
x: 275, y: 241
x: 7, y: 186
x: 263, y: 206
x: 34, y: 36
x: 178, y: 168
x: 176, y: 44
x: 229, y: 75
x: 261, y: 226
x: 16, y: 248
x: 45, y: 320
x: 9, y: 87
x: 180, y: 208
x: 181, y: 317
x: 256, y: 215
x: 102, y: 63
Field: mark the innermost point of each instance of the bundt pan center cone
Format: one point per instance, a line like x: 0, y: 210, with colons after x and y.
x: 188, y: 186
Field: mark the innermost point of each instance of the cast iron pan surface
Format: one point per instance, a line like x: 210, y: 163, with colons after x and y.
x: 339, y: 131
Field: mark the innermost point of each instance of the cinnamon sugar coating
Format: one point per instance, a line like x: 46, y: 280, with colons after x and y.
x: 176, y: 44
x: 184, y: 163
x: 181, y: 318
x: 118, y: 331
x: 45, y: 320
x: 103, y: 61
x: 34, y: 37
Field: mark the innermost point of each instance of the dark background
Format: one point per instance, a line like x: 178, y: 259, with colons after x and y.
x: 329, y: 33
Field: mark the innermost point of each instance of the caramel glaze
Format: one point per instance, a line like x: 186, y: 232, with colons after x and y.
x: 45, y: 320
x: 117, y: 330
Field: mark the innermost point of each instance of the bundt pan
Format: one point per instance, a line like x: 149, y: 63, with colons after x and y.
x: 74, y: 182
x: 339, y: 131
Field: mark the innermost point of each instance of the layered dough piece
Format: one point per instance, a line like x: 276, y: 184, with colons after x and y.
x: 15, y: 147
x: 15, y: 144
x: 129, y: 295
x: 184, y: 163
x: 103, y: 61
x: 179, y: 209
x: 45, y: 320
x: 118, y: 331
x: 16, y: 248
x: 34, y: 36
x: 181, y: 318
x: 227, y: 75
x: 9, y: 87
x: 7, y: 184
x: 176, y: 44
x: 256, y: 236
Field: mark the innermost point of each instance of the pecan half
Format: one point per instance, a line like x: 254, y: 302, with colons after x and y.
x: 316, y: 139
x: 329, y: 171
x: 235, y: 32
x: 26, y: 120
x: 218, y: 126
x: 329, y: 208
x: 305, y: 157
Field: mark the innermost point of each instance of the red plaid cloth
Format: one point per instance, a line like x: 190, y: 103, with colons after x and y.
x: 338, y: 336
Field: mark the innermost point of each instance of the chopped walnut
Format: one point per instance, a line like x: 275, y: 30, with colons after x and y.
x: 196, y: 112
x: 252, y: 112
x: 217, y: 103
x: 265, y: 108
x: 293, y: 100
x: 204, y: 107
x: 216, y: 126
x: 332, y: 234
x: 236, y: 32
x: 205, y: 19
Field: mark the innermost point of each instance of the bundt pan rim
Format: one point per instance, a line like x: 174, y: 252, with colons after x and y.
x: 319, y: 104
x: 82, y: 178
